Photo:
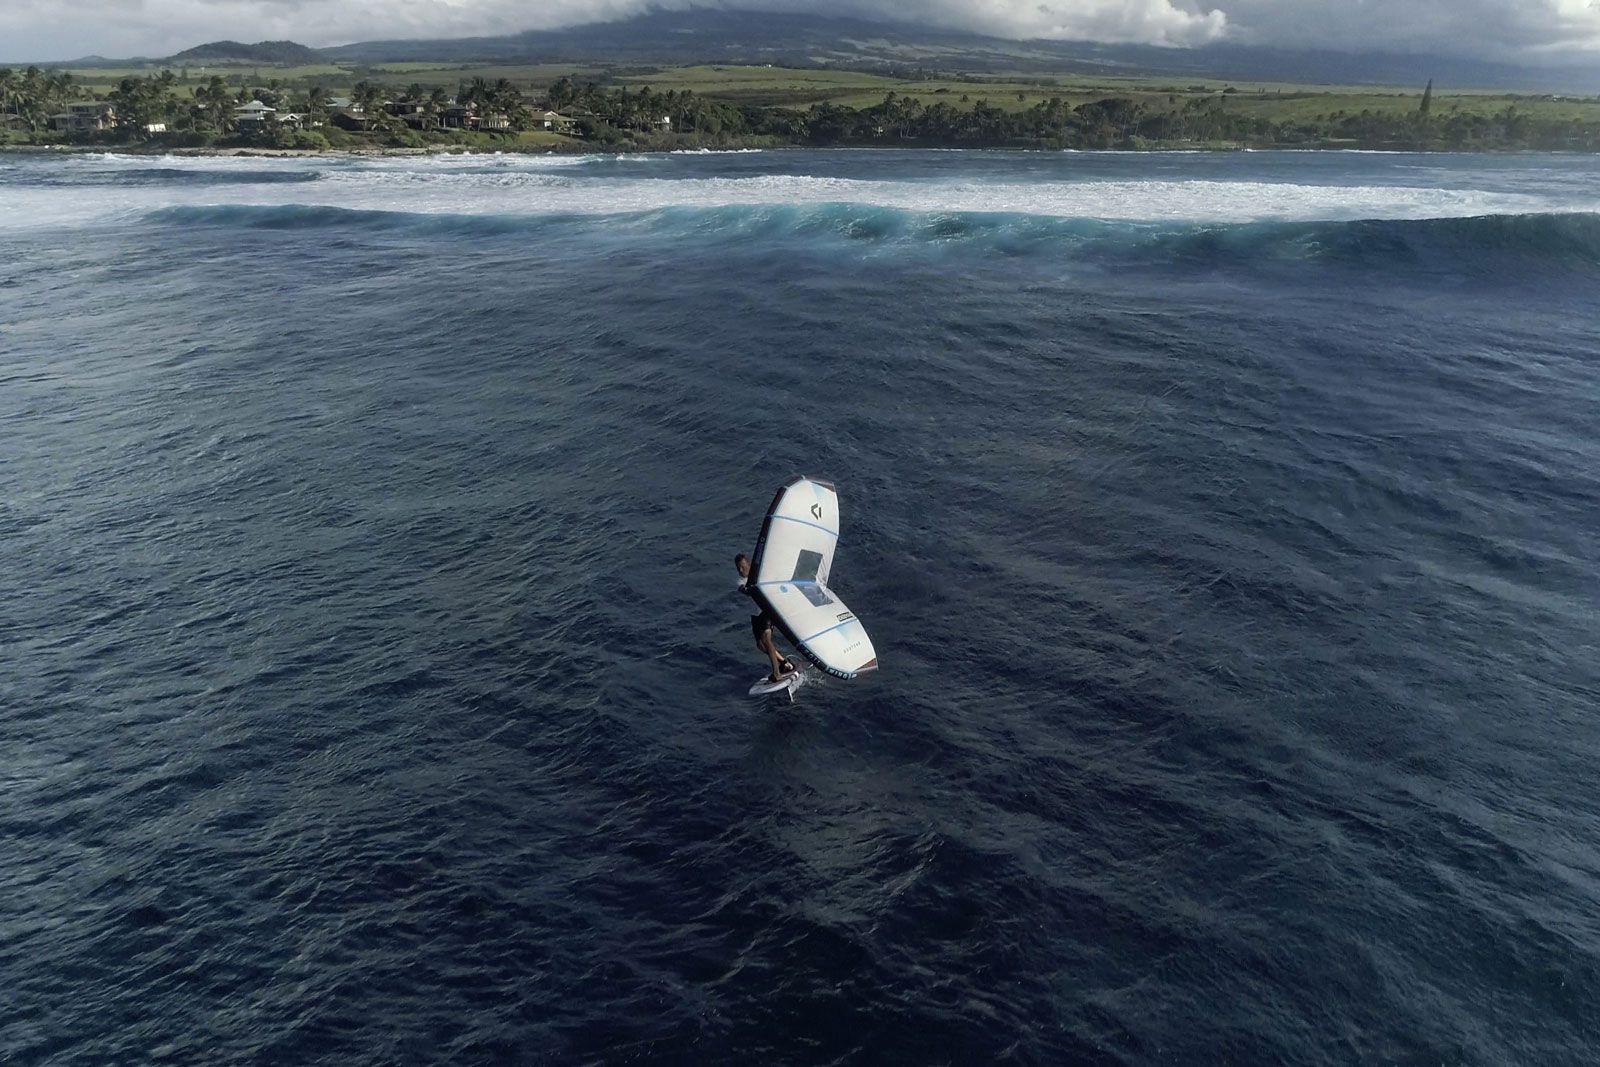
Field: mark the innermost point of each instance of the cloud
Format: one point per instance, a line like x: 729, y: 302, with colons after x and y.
x: 1525, y: 30
x: 1530, y: 30
x: 1160, y: 22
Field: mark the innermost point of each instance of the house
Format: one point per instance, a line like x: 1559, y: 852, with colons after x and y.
x: 155, y: 127
x: 87, y: 116
x: 14, y: 122
x: 553, y: 120
x: 349, y: 118
x: 402, y: 108
x: 458, y: 117
x: 253, y: 114
x: 493, y: 120
x: 292, y: 120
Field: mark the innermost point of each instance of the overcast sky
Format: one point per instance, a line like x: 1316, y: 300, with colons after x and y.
x: 1529, y: 31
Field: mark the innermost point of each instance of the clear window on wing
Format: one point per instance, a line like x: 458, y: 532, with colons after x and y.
x: 805, y: 578
x: 807, y: 565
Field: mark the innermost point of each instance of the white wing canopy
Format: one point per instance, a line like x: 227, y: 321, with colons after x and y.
x: 789, y: 577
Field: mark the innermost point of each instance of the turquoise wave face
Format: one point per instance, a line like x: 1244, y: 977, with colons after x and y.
x: 175, y: 177
x: 1487, y: 245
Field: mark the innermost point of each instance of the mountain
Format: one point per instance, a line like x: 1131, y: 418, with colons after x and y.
x: 707, y: 35
x: 712, y: 36
x: 287, y: 52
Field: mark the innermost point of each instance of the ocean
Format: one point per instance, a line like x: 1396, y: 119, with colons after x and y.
x: 373, y: 675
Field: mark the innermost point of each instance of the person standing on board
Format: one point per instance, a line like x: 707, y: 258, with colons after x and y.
x: 761, y: 624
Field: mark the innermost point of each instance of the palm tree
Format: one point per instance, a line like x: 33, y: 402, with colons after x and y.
x: 213, y: 101
x: 317, y: 103
x: 434, y: 106
x: 39, y: 94
x: 160, y: 95
x: 24, y: 95
x: 507, y: 99
x: 561, y: 94
x: 369, y: 98
x: 127, y: 99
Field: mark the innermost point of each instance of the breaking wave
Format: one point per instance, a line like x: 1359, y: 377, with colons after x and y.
x: 1489, y: 245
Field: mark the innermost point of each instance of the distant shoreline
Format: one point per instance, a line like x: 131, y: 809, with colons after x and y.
x: 428, y: 108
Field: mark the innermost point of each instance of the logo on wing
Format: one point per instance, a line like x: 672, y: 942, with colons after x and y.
x: 816, y: 510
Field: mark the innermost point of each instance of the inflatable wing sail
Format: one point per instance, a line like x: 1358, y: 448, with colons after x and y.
x: 789, y: 577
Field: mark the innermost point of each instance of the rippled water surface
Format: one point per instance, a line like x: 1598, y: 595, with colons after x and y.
x: 372, y: 679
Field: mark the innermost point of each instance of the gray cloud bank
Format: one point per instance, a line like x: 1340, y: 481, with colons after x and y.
x: 1523, y: 31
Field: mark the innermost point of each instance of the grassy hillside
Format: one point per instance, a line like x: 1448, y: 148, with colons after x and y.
x: 238, y: 52
x: 1274, y: 101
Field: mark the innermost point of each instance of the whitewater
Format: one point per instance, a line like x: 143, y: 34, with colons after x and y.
x: 1242, y: 188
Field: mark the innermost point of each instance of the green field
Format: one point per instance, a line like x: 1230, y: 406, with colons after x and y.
x: 109, y: 76
x: 1275, y: 101
x: 431, y: 74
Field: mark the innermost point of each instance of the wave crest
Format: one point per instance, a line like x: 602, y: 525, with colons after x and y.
x: 1489, y: 244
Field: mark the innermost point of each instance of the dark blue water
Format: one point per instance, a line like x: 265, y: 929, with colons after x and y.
x: 372, y: 680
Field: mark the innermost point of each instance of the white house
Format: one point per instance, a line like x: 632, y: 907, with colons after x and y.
x: 253, y: 113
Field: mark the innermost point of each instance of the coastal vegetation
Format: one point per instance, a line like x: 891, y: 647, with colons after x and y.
x: 419, y: 105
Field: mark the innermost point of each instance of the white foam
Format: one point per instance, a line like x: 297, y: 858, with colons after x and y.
x: 470, y: 161
x: 528, y: 185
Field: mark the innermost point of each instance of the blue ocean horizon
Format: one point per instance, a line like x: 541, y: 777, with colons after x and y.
x: 374, y: 679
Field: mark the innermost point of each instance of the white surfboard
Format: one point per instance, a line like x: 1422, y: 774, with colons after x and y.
x: 788, y: 683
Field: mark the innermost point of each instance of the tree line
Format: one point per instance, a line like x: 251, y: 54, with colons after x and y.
x: 622, y: 116
x: 1124, y: 122
x: 34, y: 95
